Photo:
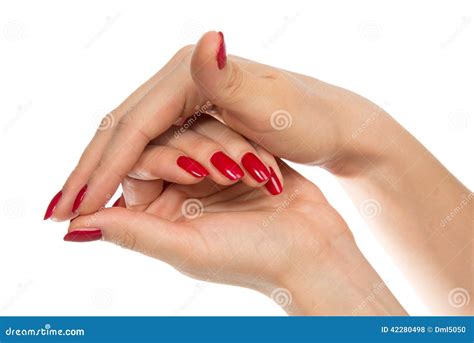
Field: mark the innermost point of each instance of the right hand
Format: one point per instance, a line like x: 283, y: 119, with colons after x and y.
x: 292, y: 116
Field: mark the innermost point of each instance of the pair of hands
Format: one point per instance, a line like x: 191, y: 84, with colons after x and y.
x: 206, y: 223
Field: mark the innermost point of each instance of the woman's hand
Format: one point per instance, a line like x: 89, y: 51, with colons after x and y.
x: 293, y: 116
x: 294, y: 247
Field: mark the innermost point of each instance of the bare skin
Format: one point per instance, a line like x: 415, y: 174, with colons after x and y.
x: 377, y: 161
x: 294, y: 247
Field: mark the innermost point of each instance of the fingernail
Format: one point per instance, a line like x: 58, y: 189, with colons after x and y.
x: 221, y: 53
x: 255, y: 167
x: 273, y: 185
x: 193, y: 167
x: 52, y: 205
x: 117, y: 202
x: 227, y: 166
x: 83, y: 235
x: 79, y: 198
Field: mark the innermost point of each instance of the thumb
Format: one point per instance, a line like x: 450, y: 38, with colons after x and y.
x: 139, y: 231
x: 251, y: 92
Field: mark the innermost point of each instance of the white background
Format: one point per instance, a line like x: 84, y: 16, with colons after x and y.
x: 63, y: 65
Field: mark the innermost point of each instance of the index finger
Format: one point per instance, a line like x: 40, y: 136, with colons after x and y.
x: 154, y: 114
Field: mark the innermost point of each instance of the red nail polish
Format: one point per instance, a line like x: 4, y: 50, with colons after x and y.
x: 83, y: 235
x: 193, y: 167
x: 273, y: 185
x: 255, y: 167
x: 117, y: 202
x: 79, y: 198
x: 52, y: 205
x: 227, y: 166
x: 221, y: 53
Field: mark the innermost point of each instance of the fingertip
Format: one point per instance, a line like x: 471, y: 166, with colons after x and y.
x: 208, y: 63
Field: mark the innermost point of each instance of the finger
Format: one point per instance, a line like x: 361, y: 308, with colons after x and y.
x: 153, y: 115
x: 235, y: 86
x: 238, y: 148
x: 139, y: 194
x: 207, y: 152
x: 274, y: 185
x: 139, y: 231
x: 93, y: 152
x: 167, y: 163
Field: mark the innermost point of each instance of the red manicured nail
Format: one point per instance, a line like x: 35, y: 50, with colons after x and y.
x: 52, y: 205
x: 79, y: 198
x: 273, y: 185
x: 255, y: 167
x: 227, y: 166
x: 117, y: 202
x: 221, y: 53
x: 193, y: 167
x: 83, y: 235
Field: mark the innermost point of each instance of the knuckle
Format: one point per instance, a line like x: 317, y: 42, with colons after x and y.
x: 203, y: 146
x: 233, y: 86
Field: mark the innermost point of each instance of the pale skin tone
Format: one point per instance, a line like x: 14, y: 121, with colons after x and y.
x: 372, y: 155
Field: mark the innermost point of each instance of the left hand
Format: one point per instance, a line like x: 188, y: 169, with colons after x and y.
x: 293, y: 245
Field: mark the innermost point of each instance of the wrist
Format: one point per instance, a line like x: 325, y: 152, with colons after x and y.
x: 363, y: 140
x: 339, y: 281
